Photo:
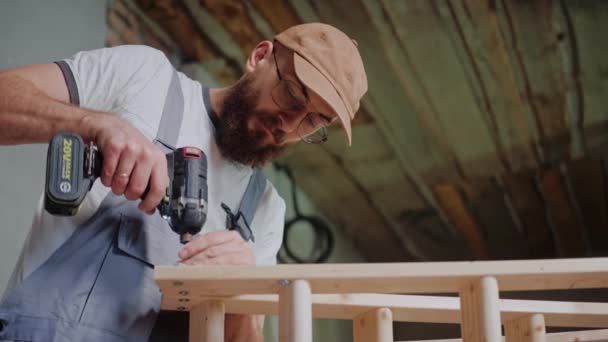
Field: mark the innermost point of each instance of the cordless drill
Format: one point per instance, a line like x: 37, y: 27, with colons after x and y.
x: 73, y: 166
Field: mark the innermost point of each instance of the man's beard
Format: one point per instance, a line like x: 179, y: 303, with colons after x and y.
x: 233, y: 137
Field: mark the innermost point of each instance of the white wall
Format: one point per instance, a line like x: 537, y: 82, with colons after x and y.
x: 36, y: 31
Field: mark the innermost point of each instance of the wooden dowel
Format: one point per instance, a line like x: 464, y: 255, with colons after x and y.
x: 374, y: 326
x: 207, y: 322
x: 528, y: 328
x: 480, y: 311
x: 295, y: 312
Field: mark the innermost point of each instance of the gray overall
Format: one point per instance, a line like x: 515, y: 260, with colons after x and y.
x: 99, y: 285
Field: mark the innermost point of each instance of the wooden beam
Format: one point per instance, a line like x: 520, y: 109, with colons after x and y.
x: 569, y: 336
x: 529, y: 328
x: 480, y: 309
x: 373, y: 326
x: 413, y: 308
x: 453, y: 204
x: 415, y: 277
x: 207, y: 322
x: 295, y: 312
x: 562, y: 214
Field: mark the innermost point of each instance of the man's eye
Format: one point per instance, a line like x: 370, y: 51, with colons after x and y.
x: 295, y: 105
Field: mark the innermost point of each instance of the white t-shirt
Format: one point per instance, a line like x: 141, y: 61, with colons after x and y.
x: 132, y: 81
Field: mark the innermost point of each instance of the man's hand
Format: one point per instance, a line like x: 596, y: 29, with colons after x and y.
x: 130, y: 161
x: 223, y: 247
x: 226, y: 247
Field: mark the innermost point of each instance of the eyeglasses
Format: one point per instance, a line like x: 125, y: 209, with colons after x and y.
x: 290, y: 96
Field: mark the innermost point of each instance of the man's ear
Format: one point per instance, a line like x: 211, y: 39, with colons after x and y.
x: 262, y: 51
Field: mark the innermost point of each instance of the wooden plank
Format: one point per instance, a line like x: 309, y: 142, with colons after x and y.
x: 452, y: 202
x: 529, y: 207
x: 373, y: 326
x: 570, y: 336
x: 562, y: 214
x: 580, y: 336
x: 295, y: 312
x: 588, y: 181
x: 413, y: 308
x: 174, y: 18
x: 414, y: 277
x: 488, y: 204
x: 207, y: 322
x: 529, y: 328
x: 480, y: 309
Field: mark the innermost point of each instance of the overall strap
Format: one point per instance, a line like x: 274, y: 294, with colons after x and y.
x: 241, y: 221
x: 171, y: 119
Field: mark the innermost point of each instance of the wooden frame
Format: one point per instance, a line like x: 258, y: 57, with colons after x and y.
x: 479, y: 310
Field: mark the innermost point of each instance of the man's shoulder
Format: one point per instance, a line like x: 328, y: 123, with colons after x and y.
x: 129, y: 58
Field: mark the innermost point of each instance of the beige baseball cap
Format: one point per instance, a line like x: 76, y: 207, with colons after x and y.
x: 327, y: 61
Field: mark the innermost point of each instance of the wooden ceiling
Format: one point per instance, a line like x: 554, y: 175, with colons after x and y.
x: 482, y: 134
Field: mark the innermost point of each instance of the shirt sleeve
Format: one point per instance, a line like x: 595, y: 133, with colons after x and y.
x: 268, y: 225
x: 120, y: 80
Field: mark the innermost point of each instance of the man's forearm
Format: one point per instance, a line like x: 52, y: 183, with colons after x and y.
x: 244, y: 328
x: 27, y: 115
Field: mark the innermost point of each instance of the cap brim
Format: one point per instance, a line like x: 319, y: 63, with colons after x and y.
x: 314, y: 79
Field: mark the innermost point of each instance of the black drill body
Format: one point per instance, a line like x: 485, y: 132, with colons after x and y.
x: 73, y: 167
